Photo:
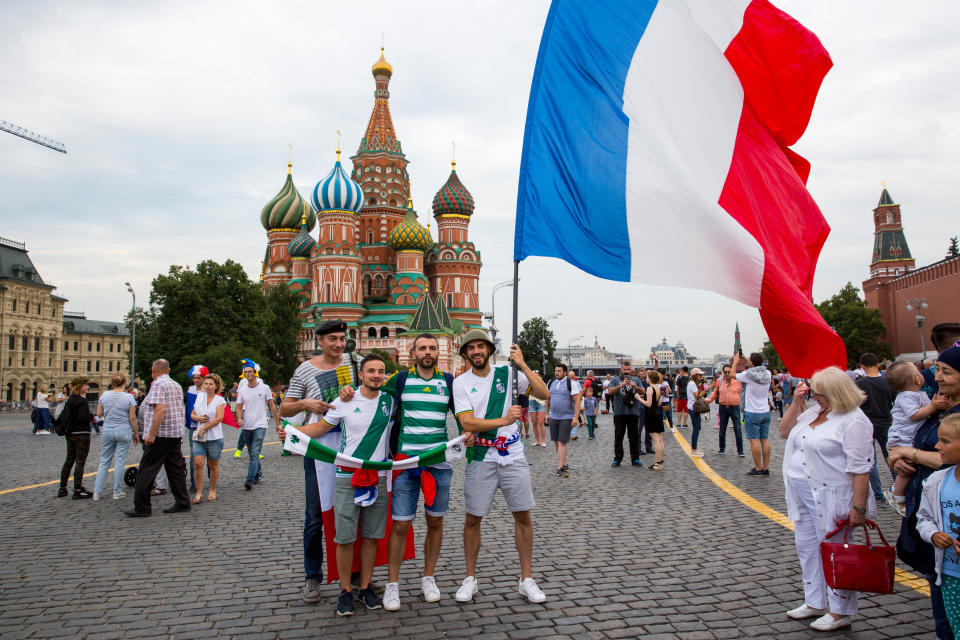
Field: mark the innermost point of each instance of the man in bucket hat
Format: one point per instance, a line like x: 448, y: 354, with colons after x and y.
x: 482, y: 399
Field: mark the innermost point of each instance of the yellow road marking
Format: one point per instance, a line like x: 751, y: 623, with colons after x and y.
x: 905, y: 578
x: 91, y: 474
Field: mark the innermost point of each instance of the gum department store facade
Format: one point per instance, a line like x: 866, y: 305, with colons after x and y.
x: 372, y: 263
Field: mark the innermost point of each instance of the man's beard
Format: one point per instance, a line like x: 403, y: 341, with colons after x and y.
x: 425, y: 361
x: 373, y: 386
x: 486, y: 359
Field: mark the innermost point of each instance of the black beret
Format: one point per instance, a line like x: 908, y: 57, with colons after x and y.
x: 332, y: 326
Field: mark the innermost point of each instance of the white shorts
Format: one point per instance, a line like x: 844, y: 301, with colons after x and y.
x: 481, y: 480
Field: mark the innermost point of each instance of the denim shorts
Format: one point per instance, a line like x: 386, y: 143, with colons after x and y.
x: 756, y: 425
x: 406, y: 494
x: 211, y: 448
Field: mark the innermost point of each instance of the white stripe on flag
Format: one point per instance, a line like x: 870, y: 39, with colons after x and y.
x: 684, y: 102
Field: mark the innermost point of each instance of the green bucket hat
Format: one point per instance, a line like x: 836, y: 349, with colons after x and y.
x: 476, y: 334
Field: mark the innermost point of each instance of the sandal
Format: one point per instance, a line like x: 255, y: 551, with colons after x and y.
x: 212, y: 497
x: 157, y: 492
x: 196, y: 499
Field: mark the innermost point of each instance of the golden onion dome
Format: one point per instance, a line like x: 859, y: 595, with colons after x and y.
x: 381, y: 67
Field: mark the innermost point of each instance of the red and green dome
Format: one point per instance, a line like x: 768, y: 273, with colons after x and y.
x: 453, y: 198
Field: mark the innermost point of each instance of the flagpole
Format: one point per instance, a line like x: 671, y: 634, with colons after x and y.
x: 513, y: 367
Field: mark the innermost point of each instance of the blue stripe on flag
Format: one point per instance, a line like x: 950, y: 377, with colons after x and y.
x: 571, y: 202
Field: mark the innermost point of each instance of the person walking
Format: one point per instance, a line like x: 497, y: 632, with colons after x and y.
x: 119, y: 412
x: 207, y: 441
x: 826, y: 468
x: 606, y: 396
x: 196, y: 374
x: 254, y: 405
x: 756, y: 410
x: 683, y: 383
x: 666, y: 401
x: 652, y: 416
x: 877, y: 408
x: 726, y: 391
x: 563, y: 411
x: 315, y: 384
x: 537, y: 417
x: 625, y: 390
x: 41, y: 426
x: 76, y: 419
x: 693, y: 393
x: 590, y: 407
x: 162, y: 433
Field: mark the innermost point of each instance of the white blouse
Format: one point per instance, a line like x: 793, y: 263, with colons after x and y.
x: 830, y: 454
x: 201, y: 408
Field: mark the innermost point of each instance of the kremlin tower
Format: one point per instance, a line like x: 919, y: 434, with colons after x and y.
x: 372, y: 264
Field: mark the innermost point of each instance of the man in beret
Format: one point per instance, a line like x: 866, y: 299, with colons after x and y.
x: 314, y: 386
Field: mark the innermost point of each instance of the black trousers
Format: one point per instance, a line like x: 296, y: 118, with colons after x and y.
x: 647, y: 440
x: 78, y: 446
x: 163, y: 453
x: 625, y: 424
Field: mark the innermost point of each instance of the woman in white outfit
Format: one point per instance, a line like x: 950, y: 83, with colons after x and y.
x: 826, y: 469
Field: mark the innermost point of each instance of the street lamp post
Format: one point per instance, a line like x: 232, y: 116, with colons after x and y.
x: 918, y: 305
x: 543, y: 360
x: 133, y: 335
x: 491, y: 316
x: 569, y: 347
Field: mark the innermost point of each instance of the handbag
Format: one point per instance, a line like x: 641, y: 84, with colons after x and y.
x: 701, y: 406
x: 858, y: 567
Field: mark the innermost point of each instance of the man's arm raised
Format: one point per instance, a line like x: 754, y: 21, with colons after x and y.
x: 537, y: 388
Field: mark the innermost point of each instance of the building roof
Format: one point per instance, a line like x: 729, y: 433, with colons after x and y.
x: 380, y: 135
x: 285, y: 209
x: 337, y: 191
x: 885, y: 198
x: 16, y: 264
x: 74, y: 322
x: 453, y: 198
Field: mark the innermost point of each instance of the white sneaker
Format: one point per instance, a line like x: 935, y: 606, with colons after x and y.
x: 430, y: 591
x: 96, y: 496
x: 467, y: 590
x: 118, y: 495
x: 529, y: 590
x: 391, y: 596
x: 696, y: 453
x: 829, y: 623
x: 805, y: 611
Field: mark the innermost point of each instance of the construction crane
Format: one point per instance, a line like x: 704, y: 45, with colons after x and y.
x: 26, y: 134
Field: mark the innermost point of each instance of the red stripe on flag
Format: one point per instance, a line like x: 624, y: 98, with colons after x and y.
x: 781, y: 66
x: 330, y: 532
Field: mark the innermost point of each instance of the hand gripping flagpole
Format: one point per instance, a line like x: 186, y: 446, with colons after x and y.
x: 513, y: 365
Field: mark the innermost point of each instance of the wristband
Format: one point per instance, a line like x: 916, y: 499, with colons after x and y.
x: 915, y: 455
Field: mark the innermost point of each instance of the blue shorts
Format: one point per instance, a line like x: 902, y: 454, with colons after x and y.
x: 211, y: 448
x: 756, y: 425
x: 406, y: 494
x: 535, y: 407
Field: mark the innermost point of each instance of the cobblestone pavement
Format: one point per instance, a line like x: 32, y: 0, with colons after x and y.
x: 620, y: 553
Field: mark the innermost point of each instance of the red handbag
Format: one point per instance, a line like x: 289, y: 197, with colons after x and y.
x: 858, y: 567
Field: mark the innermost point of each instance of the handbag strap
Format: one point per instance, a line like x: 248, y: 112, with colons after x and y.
x: 869, y: 524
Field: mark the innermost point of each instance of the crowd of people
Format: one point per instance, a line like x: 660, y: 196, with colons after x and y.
x: 831, y: 425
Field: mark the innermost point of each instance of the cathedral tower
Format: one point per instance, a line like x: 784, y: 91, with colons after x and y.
x: 281, y: 218
x: 891, y: 255
x: 409, y: 240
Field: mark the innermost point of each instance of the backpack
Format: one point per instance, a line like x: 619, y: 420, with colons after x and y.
x: 59, y: 421
x: 402, y: 375
x: 682, y: 386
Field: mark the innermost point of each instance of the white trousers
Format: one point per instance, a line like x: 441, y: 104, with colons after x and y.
x: 815, y: 590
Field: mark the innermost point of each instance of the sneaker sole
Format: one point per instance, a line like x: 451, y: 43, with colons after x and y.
x: 344, y: 613
x: 396, y: 608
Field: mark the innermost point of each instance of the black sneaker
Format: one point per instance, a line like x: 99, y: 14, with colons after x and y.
x: 754, y: 472
x: 370, y: 599
x: 81, y: 494
x: 765, y: 472
x: 562, y: 473
x: 720, y: 453
x: 616, y: 463
x: 345, y: 603
x: 248, y: 485
x: 565, y: 467
x: 61, y: 493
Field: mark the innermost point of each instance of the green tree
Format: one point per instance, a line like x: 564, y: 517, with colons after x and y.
x: 389, y: 364
x: 771, y: 357
x: 860, y: 328
x: 538, y: 345
x: 953, y: 250
x: 215, y: 315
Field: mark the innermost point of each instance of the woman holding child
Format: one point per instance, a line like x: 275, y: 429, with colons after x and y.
x: 918, y: 462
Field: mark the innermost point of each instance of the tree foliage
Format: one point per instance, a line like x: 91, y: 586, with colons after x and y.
x: 953, y: 250
x: 771, y: 357
x: 389, y: 364
x: 860, y: 328
x: 538, y: 345
x: 216, y: 316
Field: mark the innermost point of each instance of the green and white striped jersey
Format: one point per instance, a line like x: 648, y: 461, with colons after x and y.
x: 424, y: 403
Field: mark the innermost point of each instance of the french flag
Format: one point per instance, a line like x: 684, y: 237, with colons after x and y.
x: 656, y: 150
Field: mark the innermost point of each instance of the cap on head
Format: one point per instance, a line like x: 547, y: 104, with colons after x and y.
x: 79, y: 381
x: 475, y: 334
x: 332, y: 326
x: 248, y: 362
x: 696, y: 370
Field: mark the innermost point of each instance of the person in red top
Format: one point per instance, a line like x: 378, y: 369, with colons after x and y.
x: 726, y: 389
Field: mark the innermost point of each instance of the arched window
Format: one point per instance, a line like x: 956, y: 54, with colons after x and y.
x: 326, y: 293
x: 372, y: 201
x: 23, y: 392
x: 371, y: 332
x: 9, y: 392
x: 379, y: 282
x: 384, y: 332
x: 353, y: 333
x: 366, y: 285
x: 370, y: 235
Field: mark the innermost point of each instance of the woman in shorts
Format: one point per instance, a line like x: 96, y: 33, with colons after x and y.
x: 207, y: 441
x: 537, y: 417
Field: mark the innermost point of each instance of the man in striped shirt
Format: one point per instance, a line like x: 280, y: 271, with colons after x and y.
x: 425, y: 398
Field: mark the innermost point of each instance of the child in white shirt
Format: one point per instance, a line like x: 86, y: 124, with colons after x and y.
x: 910, y: 409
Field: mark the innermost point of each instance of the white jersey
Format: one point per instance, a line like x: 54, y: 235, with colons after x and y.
x: 364, y: 426
x: 475, y: 393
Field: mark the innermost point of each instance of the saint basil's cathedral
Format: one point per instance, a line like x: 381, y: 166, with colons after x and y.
x: 372, y: 264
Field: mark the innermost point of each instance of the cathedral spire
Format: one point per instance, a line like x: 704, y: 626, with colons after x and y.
x: 380, y: 135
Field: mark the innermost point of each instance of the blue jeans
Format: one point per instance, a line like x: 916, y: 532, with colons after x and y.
x: 114, y: 446
x: 875, y: 483
x: 253, y: 440
x: 695, y: 422
x: 188, y: 438
x: 312, y: 523
x: 733, y: 413
x: 668, y: 413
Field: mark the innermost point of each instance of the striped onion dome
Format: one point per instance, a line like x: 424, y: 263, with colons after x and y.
x: 453, y: 198
x: 410, y: 235
x: 303, y: 243
x: 287, y: 207
x: 337, y: 191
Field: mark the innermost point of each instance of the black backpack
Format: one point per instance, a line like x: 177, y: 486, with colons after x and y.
x: 59, y: 423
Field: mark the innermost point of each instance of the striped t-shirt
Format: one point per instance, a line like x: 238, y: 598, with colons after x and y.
x: 424, y: 403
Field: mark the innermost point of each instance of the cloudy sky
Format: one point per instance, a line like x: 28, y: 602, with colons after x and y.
x: 177, y: 116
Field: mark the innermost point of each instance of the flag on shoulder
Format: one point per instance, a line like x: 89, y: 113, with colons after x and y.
x: 656, y: 150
